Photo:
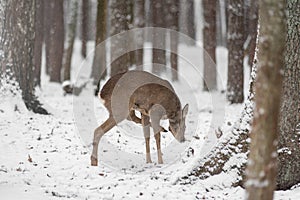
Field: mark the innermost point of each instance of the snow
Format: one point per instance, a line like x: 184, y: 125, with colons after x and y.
x: 48, y: 157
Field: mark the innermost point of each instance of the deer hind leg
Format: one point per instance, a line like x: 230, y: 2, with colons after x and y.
x: 98, y: 133
x: 146, y: 130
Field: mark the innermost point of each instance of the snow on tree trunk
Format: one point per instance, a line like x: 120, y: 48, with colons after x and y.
x: 71, y: 33
x: 139, y: 22
x: 159, y: 40
x: 38, y: 42
x: 209, y: 43
x: 289, y: 141
x: 235, y: 38
x: 56, y: 37
x: 261, y: 169
x: 84, y: 26
x: 99, y: 61
x: 17, y: 46
x: 118, y: 17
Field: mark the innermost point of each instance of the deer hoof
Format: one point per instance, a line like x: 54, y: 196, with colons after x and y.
x: 94, y: 161
x: 160, y: 162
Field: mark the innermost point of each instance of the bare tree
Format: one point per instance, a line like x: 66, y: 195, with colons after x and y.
x: 56, y: 40
x: 119, y: 24
x: 187, y: 20
x: 99, y: 61
x: 235, y: 38
x: 47, y: 27
x: 17, y: 45
x: 71, y: 33
x: 288, y: 145
x: 139, y: 22
x: 252, y: 30
x: 261, y: 171
x: 209, y: 43
x: 172, y: 21
x: 38, y: 42
x: 84, y: 26
x: 159, y: 40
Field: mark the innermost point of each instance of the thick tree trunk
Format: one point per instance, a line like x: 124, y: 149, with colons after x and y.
x: 17, y: 41
x: 119, y: 56
x: 289, y: 141
x: 38, y: 42
x: 235, y: 38
x: 139, y: 22
x: 71, y: 33
x: 99, y: 61
x: 209, y: 44
x: 84, y: 26
x: 56, y: 46
x: 159, y: 40
x: 261, y: 171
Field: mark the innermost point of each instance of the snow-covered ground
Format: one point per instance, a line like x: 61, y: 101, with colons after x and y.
x: 48, y: 157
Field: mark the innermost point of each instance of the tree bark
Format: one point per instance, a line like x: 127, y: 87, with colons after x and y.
x: 209, y: 44
x: 71, y: 33
x: 47, y: 28
x: 159, y: 40
x: 172, y: 21
x: 139, y: 22
x: 99, y: 61
x: 289, y: 146
x: 38, y: 42
x: 187, y: 20
x: 235, y: 38
x: 261, y: 170
x: 17, y: 43
x: 253, y: 21
x: 56, y: 43
x: 84, y: 26
x: 119, y: 56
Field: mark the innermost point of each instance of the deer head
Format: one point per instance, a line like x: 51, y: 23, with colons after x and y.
x: 177, y: 124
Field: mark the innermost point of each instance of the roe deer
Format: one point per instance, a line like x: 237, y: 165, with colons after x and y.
x: 153, y: 97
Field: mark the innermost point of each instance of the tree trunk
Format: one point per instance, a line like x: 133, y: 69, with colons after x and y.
x: 47, y: 28
x: 38, y: 42
x: 119, y: 56
x: 99, y: 61
x: 84, y: 26
x: 235, y: 38
x: 261, y: 171
x: 17, y: 41
x: 253, y: 21
x: 288, y: 146
x: 56, y: 46
x: 172, y: 21
x: 71, y: 33
x: 209, y: 44
x: 187, y: 20
x: 130, y: 23
x: 159, y: 40
x: 139, y: 22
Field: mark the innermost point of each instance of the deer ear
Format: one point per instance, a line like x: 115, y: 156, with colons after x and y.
x: 185, y: 110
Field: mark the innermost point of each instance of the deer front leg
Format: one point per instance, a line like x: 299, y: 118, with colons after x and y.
x: 159, y: 153
x: 146, y: 129
x: 156, y: 114
x: 98, y: 133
